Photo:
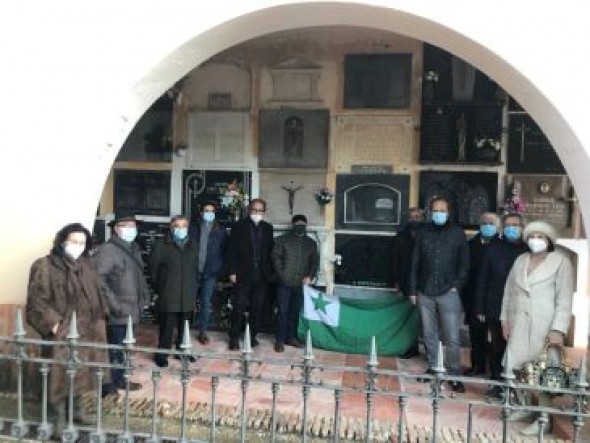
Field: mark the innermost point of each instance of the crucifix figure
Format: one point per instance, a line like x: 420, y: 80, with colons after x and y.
x: 291, y: 190
x: 523, y: 129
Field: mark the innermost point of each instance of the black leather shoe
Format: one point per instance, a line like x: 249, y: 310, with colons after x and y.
x: 410, y: 353
x: 457, y: 386
x: 234, y: 345
x: 474, y: 372
x: 161, y: 362
x: 426, y: 380
x: 279, y: 347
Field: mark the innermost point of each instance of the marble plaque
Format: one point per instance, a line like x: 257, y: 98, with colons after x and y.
x: 373, y: 140
x: 217, y: 139
x: 546, y: 198
x: 303, y: 186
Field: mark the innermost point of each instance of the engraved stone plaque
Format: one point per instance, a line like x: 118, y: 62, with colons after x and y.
x: 217, y: 138
x: 373, y: 140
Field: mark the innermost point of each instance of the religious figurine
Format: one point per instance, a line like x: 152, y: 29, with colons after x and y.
x: 291, y: 190
x: 461, y: 137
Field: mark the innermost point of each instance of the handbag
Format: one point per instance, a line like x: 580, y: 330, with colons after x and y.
x: 550, y: 374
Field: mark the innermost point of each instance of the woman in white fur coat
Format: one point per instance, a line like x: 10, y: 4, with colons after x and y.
x: 537, y: 303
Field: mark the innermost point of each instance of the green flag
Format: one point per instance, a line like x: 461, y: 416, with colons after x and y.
x: 347, y: 325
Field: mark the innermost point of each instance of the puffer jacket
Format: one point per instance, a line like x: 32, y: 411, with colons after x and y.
x: 440, y: 260
x: 295, y: 257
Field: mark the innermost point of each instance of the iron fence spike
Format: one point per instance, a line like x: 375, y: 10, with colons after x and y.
x: 247, y: 347
x: 19, y: 329
x: 186, y: 344
x: 373, y: 353
x: 129, y: 337
x: 73, y: 334
x: 440, y: 365
x: 308, y: 354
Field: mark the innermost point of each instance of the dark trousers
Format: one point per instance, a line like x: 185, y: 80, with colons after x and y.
x: 289, y: 302
x: 478, y: 332
x: 498, y: 347
x: 169, y: 321
x: 247, y: 297
x: 115, y: 336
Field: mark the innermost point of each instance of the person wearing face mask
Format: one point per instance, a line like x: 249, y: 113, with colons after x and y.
x: 295, y: 258
x: 537, y: 302
x: 212, y: 243
x: 120, y: 266
x: 440, y: 264
x: 60, y: 284
x: 173, y: 266
x: 403, y: 249
x: 478, y: 245
x: 250, y: 270
x: 493, y: 272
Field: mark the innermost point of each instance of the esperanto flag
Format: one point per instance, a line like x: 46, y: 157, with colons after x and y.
x: 347, y: 324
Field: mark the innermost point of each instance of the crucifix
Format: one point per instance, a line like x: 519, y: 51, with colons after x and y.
x: 291, y: 190
x: 523, y: 129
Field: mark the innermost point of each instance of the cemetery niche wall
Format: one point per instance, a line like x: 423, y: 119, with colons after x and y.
x: 142, y: 192
x: 470, y: 193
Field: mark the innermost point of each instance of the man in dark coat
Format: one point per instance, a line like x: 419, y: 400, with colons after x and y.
x: 173, y: 266
x: 250, y: 269
x: 212, y: 240
x: 489, y: 292
x: 403, y: 250
x: 478, y: 244
x: 295, y: 258
x: 440, y: 265
x: 120, y: 267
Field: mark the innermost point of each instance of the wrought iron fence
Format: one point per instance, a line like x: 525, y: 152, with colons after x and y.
x: 16, y: 350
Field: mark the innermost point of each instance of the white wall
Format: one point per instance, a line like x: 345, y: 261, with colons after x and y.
x: 77, y: 76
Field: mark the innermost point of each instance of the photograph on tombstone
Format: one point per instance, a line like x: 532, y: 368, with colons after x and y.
x: 470, y: 193
x: 371, y: 202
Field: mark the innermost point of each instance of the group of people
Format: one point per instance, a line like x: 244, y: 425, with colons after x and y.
x: 511, y: 281
x: 107, y: 287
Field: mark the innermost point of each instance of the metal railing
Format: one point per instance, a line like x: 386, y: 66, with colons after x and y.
x: 16, y: 350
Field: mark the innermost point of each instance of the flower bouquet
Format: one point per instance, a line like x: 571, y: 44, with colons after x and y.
x: 514, y: 202
x: 234, y: 199
x: 323, y: 196
x: 431, y: 76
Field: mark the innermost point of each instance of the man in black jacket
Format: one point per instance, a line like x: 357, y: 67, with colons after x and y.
x: 493, y: 272
x: 439, y: 270
x: 478, y: 245
x: 250, y: 269
x: 403, y: 250
x: 295, y: 258
x: 173, y: 265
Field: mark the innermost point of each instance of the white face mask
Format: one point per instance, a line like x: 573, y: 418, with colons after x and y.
x: 73, y: 251
x: 256, y: 218
x: 537, y: 245
x: 128, y: 234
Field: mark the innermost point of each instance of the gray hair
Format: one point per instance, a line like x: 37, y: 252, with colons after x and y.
x: 490, y: 215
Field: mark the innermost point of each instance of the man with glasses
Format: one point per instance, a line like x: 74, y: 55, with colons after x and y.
x: 250, y: 269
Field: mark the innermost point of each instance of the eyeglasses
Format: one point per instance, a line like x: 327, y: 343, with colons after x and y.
x: 257, y: 211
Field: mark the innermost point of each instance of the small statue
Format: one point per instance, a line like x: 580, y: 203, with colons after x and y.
x: 461, y: 137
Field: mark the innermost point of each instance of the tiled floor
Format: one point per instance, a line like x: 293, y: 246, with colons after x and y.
x: 321, y: 404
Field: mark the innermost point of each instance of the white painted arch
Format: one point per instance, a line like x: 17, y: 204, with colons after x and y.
x: 83, y: 73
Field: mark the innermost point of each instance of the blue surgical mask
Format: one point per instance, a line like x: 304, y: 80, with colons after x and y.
x: 512, y: 233
x: 209, y: 216
x: 128, y: 234
x: 439, y: 218
x: 180, y: 233
x: 487, y: 231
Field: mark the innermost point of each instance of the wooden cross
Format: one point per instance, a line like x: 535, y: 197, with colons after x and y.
x: 523, y: 129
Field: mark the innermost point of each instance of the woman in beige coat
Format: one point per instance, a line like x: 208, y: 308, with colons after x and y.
x: 537, y: 303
